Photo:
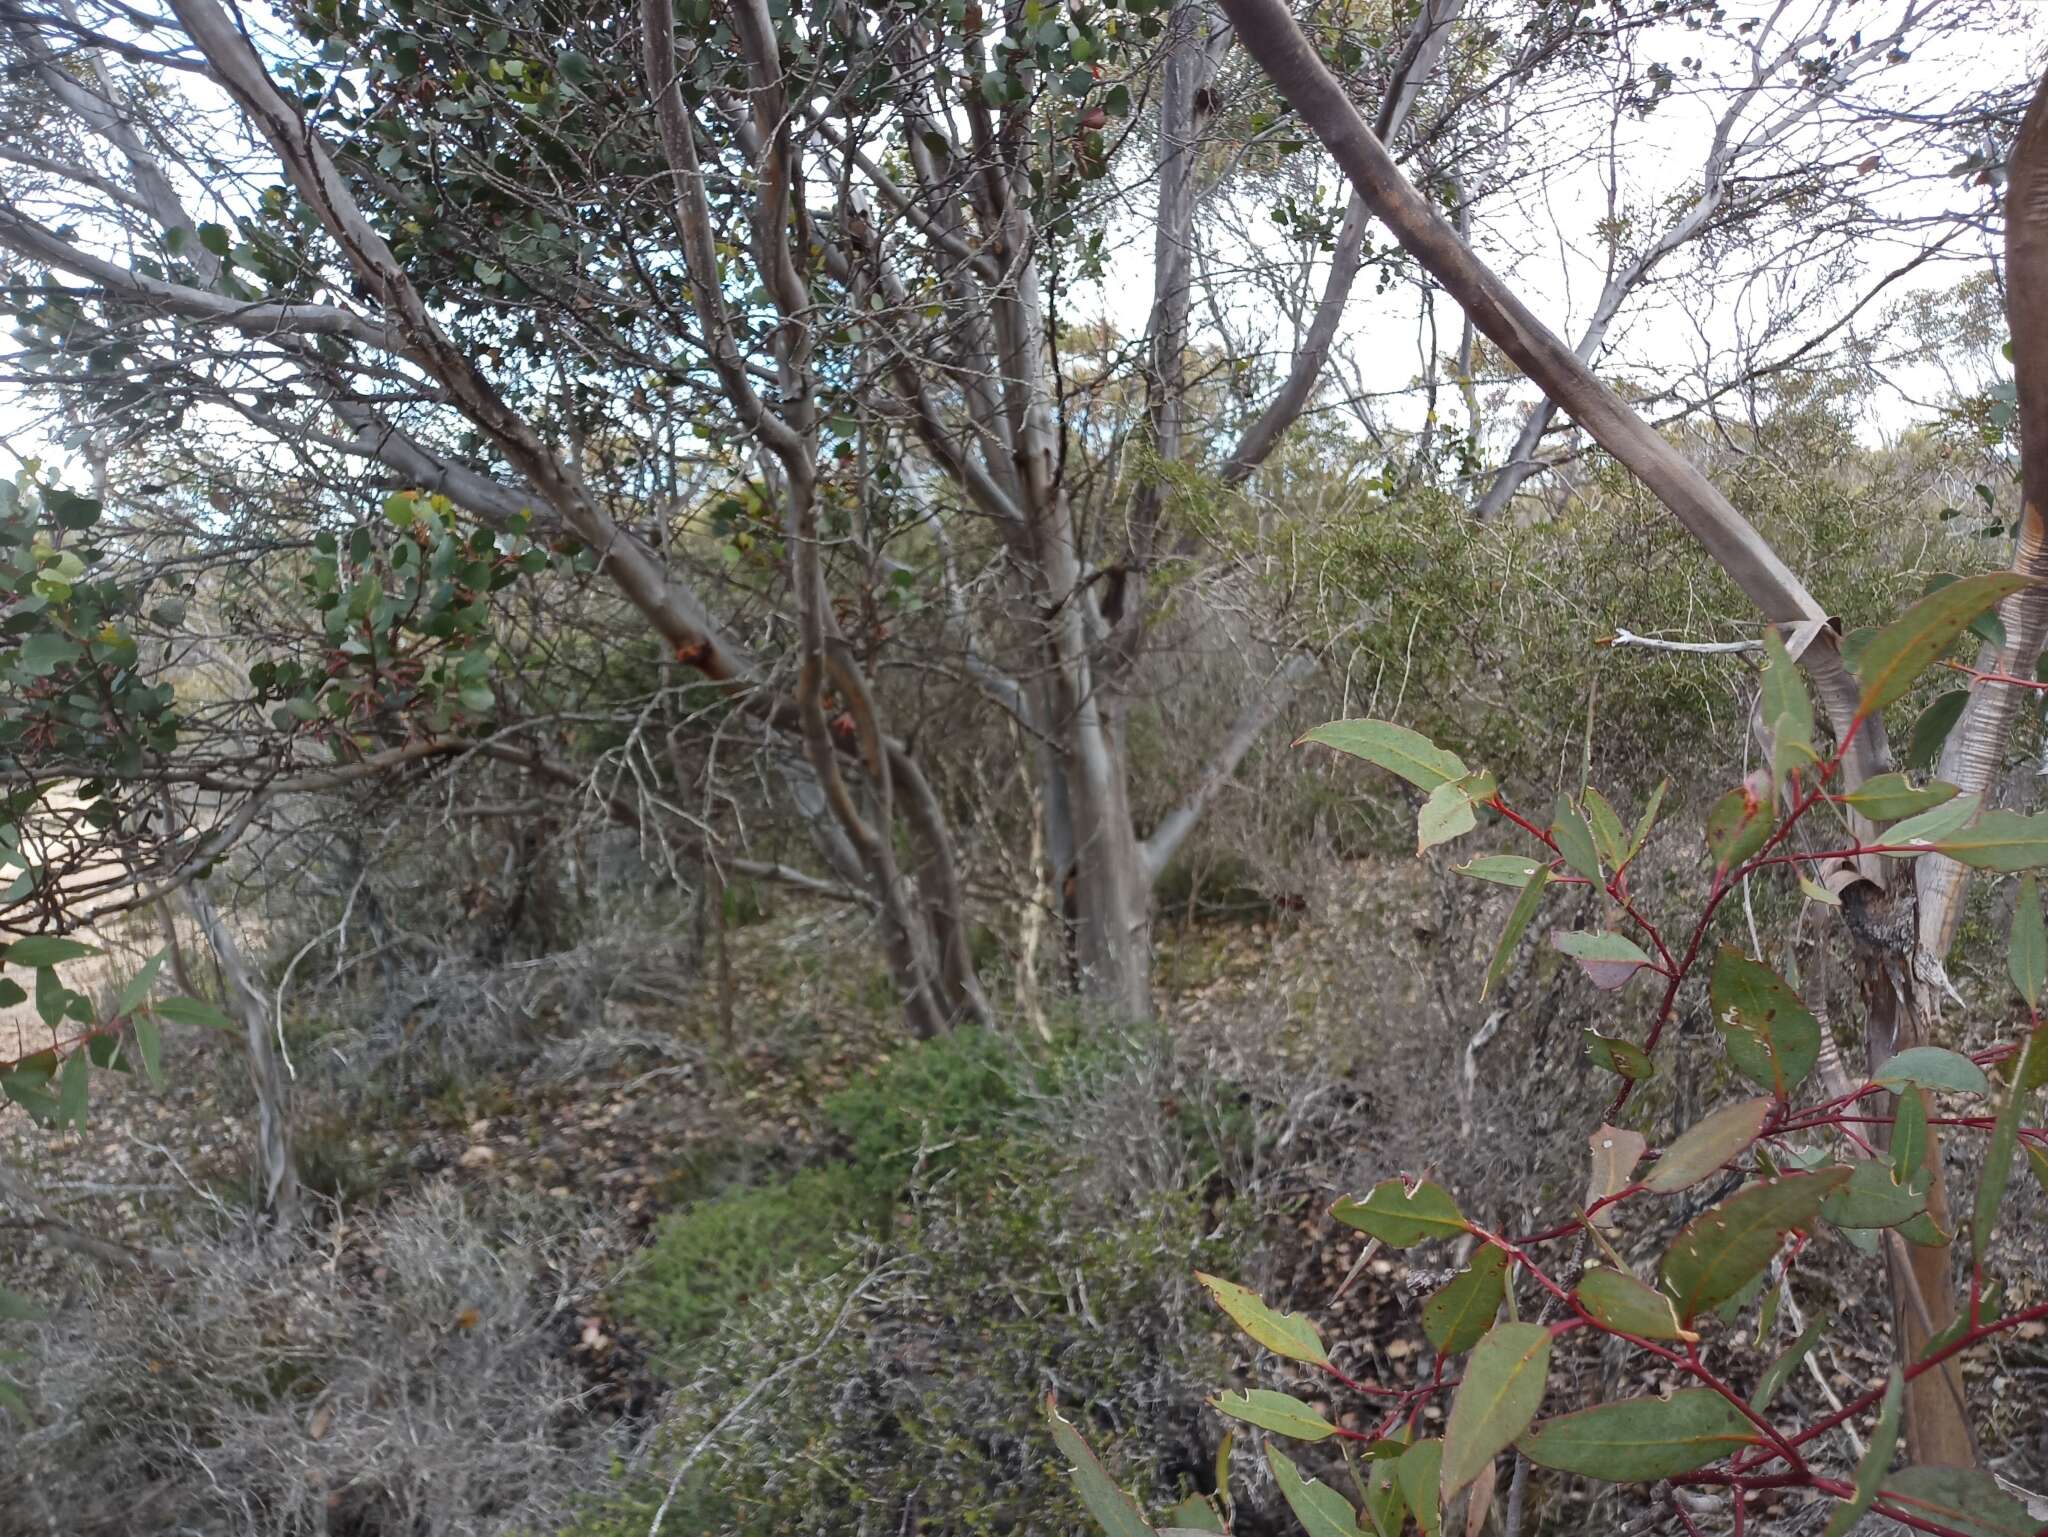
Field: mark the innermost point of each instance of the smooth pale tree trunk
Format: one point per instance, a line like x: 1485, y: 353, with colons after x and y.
x: 277, y: 1176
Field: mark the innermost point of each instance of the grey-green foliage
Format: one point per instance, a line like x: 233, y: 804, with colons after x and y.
x: 1011, y: 1264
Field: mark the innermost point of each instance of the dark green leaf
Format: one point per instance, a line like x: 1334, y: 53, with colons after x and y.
x: 216, y: 239
x: 1904, y: 649
x: 1625, y: 1058
x: 1739, y: 824
x: 1395, y: 748
x: 1874, y: 1198
x: 1888, y: 797
x: 1618, y: 1300
x: 1647, y: 820
x: 1930, y: 731
x: 191, y: 1011
x: 47, y: 950
x: 1285, y: 1334
x: 1114, y: 1511
x: 1321, y: 1510
x: 149, y: 1047
x: 72, y: 1083
x: 138, y: 987
x: 1519, y: 919
x: 1459, y: 1312
x: 2004, y: 1139
x: 1609, y: 836
x: 1608, y: 959
x: 1787, y: 713
x: 2026, y: 956
x: 1909, y: 1136
x: 1772, y: 1038
x: 1400, y: 1219
x: 1706, y: 1147
x: 1933, y: 1067
x: 1279, y: 1412
x: 1727, y: 1246
x: 1501, y: 869
x: 1574, y: 841
x: 1421, y: 1473
x: 1875, y: 1462
x: 1497, y: 1398
x: 1999, y: 840
x: 1930, y: 826
x: 1641, y: 1439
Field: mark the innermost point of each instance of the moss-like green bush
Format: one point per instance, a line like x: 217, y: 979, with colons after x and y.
x: 925, y: 1109
x: 917, y: 1406
x: 709, y: 1261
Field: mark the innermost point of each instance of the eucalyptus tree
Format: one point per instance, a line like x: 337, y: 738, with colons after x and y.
x: 763, y: 314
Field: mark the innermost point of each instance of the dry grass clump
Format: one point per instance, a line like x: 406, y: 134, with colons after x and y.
x: 405, y: 1377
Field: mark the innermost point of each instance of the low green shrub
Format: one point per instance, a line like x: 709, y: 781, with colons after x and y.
x: 710, y: 1260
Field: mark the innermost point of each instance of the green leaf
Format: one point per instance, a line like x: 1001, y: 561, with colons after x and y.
x: 1787, y: 712
x: 1888, y: 797
x: 1904, y: 649
x: 47, y: 950
x: 1499, y: 1395
x: 2005, y: 1133
x: 1278, y: 1412
x: 1726, y: 1246
x: 1876, y: 1460
x: 1771, y: 1036
x: 574, y: 67
x: 1618, y: 1300
x: 149, y: 1046
x: 1738, y: 825
x: 1625, y: 1058
x: 1421, y: 1472
x: 1931, y: 730
x: 1609, y: 836
x: 1574, y: 841
x: 1285, y: 1334
x: 1909, y: 1136
x: 216, y: 238
x: 1502, y: 869
x: 1395, y: 748
x: 1874, y: 1198
x: 1641, y: 1439
x: 1706, y: 1147
x: 1999, y: 840
x: 1321, y: 1510
x: 1608, y: 959
x: 71, y: 1087
x: 1961, y: 1499
x: 1386, y: 1502
x: 1399, y: 1219
x: 1933, y: 1067
x: 1460, y: 1311
x: 2026, y: 956
x: 11, y: 993
x: 1196, y: 1513
x: 1780, y: 1371
x: 1929, y: 827
x: 191, y: 1011
x: 138, y: 987
x: 1114, y: 1511
x: 1445, y: 815
x: 1647, y: 821
x: 1519, y: 919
